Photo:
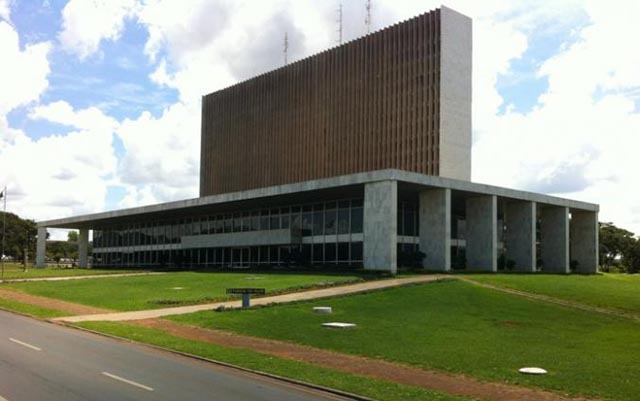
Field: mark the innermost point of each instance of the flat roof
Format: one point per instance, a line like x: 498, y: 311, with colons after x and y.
x: 345, y: 181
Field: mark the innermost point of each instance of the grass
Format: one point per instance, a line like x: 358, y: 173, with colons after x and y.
x: 30, y: 310
x: 171, y: 289
x: 458, y: 327
x: 614, y: 291
x: 378, y: 389
x: 16, y: 271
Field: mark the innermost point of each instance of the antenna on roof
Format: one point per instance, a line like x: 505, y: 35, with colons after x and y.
x: 367, y: 18
x: 340, y: 23
x: 286, y: 48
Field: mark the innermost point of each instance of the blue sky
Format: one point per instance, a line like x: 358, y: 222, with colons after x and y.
x: 101, y: 100
x: 116, y: 80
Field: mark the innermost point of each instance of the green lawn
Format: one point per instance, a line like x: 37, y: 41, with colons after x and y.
x: 615, y: 291
x: 28, y: 309
x: 456, y: 326
x: 16, y: 271
x: 378, y: 389
x: 171, y: 289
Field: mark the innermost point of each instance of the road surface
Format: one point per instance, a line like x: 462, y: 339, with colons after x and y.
x: 41, y: 361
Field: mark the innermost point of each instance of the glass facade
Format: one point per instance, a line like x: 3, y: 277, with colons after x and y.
x: 331, y: 234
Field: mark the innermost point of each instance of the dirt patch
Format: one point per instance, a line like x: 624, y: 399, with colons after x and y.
x: 449, y: 383
x: 50, y: 303
x: 509, y: 323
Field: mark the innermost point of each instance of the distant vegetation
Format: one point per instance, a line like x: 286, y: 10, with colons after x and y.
x: 20, y: 236
x: 619, y: 249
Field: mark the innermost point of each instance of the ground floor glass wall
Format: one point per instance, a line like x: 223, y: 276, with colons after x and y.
x: 330, y: 232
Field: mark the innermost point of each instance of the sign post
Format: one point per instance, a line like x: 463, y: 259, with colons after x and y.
x: 246, y: 294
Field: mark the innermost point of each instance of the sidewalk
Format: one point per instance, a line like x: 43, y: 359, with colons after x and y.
x: 296, y: 296
x: 86, y: 276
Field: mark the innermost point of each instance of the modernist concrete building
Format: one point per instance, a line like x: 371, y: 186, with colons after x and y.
x: 357, y: 156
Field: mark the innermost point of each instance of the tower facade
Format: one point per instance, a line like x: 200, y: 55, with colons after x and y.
x: 397, y: 98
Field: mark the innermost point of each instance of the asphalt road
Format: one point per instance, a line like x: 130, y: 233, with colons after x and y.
x: 41, y: 361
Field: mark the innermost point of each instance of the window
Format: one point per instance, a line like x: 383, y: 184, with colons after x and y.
x: 318, y: 253
x: 197, y: 227
x: 237, y: 223
x: 356, y: 219
x: 356, y: 251
x: 343, y: 221
x: 330, y: 219
x: 343, y: 251
x: 264, y: 220
x: 188, y: 227
x: 228, y: 223
x: 307, y: 223
x: 255, y: 221
x: 330, y: 252
x: 285, y: 219
x: 318, y: 222
x: 274, y: 219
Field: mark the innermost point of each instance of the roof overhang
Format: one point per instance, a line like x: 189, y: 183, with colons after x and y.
x: 341, y: 186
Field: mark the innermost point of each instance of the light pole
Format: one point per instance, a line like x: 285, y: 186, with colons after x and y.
x: 3, y: 195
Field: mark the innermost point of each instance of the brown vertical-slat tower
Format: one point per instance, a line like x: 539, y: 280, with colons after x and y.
x: 396, y: 98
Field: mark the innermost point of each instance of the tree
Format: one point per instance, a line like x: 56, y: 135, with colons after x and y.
x: 632, y: 258
x: 72, y: 236
x: 619, y: 248
x: 20, y: 236
x: 614, y: 242
x: 57, y: 250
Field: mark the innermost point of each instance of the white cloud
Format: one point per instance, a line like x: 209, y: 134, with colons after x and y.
x: 579, y: 140
x: 61, y: 112
x: 57, y: 175
x: 582, y: 137
x: 162, y: 159
x: 5, y: 10
x: 85, y: 23
x: 201, y: 46
x: 24, y: 78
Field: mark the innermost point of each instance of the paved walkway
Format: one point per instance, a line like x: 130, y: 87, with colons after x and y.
x: 456, y: 384
x: 86, y: 276
x: 296, y: 296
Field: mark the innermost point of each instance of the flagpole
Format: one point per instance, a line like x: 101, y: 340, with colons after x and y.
x: 4, y: 231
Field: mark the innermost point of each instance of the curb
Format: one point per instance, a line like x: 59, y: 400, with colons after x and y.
x: 219, y: 363
x: 312, y: 386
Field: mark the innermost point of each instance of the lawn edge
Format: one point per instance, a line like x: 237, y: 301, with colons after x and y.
x: 220, y: 363
x: 273, y: 376
x: 567, y: 303
x: 25, y: 314
x: 198, y: 357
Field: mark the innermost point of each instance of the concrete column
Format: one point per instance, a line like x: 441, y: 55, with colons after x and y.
x: 381, y: 226
x: 482, y: 233
x: 41, y: 247
x: 584, y: 240
x: 520, y: 237
x: 435, y: 228
x: 83, y: 245
x: 554, y: 239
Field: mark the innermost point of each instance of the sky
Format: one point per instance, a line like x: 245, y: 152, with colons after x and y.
x: 100, y: 99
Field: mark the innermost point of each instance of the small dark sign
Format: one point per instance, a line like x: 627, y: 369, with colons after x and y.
x: 252, y: 291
